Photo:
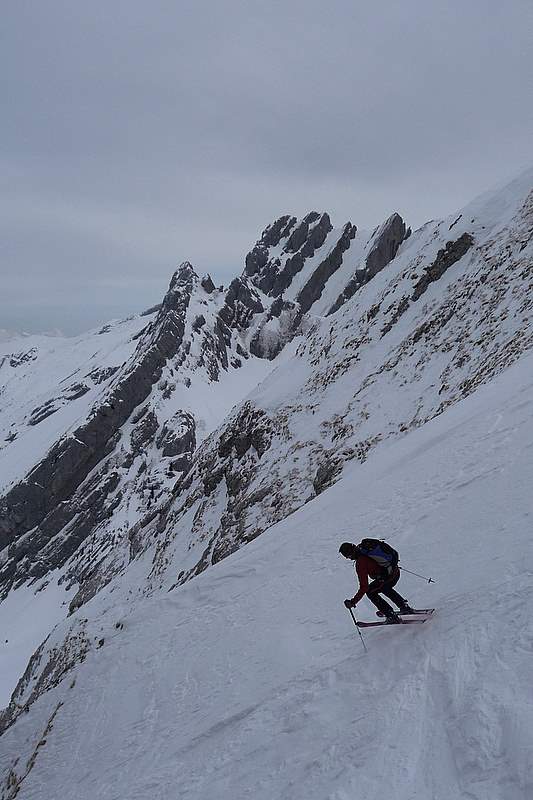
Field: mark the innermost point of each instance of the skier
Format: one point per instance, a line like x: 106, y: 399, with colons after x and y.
x: 377, y: 560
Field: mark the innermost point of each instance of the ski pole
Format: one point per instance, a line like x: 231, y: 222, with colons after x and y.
x: 423, y: 577
x: 358, y: 628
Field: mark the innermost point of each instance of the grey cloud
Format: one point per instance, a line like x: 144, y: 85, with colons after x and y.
x: 142, y: 134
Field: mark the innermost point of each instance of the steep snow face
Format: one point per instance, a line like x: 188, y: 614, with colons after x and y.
x: 251, y: 679
x: 451, y: 311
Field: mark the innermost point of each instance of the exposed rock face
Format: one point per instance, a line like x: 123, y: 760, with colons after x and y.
x: 144, y: 432
x: 214, y: 349
x: 298, y: 242
x: 257, y: 258
x: 326, y: 475
x: 17, y: 359
x: 384, y: 246
x: 207, y: 284
x: 50, y: 407
x: 292, y: 263
x: 241, y: 303
x: 445, y: 259
x: 229, y: 464
x: 303, y: 242
x: 198, y: 323
x: 331, y: 263
x: 245, y: 433
x: 178, y: 438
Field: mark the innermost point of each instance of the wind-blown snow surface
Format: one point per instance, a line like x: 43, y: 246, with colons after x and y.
x: 250, y: 680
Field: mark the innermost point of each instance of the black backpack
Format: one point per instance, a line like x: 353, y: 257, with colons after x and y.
x: 381, y: 552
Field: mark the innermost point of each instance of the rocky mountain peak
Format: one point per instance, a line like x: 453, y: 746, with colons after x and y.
x: 382, y: 248
x: 282, y: 250
x: 182, y: 284
x: 277, y: 230
x: 207, y: 284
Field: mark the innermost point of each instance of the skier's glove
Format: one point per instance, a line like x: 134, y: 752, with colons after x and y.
x: 350, y: 603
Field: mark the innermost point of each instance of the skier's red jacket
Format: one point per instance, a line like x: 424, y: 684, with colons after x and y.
x: 366, y: 568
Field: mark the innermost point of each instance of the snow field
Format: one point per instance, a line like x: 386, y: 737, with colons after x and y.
x: 250, y: 681
x: 55, y: 364
x: 26, y: 617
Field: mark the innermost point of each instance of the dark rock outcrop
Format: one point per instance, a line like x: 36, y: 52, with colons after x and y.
x: 304, y: 241
x: 273, y: 275
x: 144, y: 431
x: 101, y: 374
x: 445, y: 259
x: 315, y: 285
x: 178, y: 438
x: 326, y: 475
x: 241, y: 303
x: 198, y: 323
x: 246, y: 431
x: 257, y: 258
x: 207, y: 284
x: 384, y: 247
x: 17, y: 359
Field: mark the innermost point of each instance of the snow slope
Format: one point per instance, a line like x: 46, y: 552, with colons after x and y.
x: 27, y: 615
x: 59, y: 377
x: 250, y: 680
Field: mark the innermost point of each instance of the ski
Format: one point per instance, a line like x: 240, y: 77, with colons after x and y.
x: 414, y: 612
x: 384, y: 622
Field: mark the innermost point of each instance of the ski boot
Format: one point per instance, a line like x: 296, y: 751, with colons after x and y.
x: 406, y: 609
x: 393, y: 619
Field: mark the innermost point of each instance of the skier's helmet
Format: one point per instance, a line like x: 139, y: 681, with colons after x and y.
x: 349, y: 550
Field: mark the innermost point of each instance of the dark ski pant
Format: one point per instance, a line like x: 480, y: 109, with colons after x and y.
x: 385, y: 586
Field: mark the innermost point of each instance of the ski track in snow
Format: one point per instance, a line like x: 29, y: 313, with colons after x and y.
x: 251, y: 682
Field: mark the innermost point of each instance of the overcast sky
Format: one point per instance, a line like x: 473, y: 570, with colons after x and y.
x: 137, y: 134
